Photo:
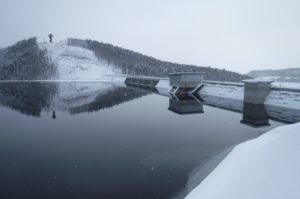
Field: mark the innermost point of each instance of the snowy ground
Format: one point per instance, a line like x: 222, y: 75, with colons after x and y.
x: 224, y: 91
x: 265, y: 167
x: 75, y: 63
x: 278, y: 78
x: 286, y: 84
x: 284, y: 99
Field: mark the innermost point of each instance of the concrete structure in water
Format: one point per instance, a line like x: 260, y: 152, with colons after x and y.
x: 256, y: 99
x: 256, y: 91
x: 186, y: 79
x: 255, y: 94
x: 185, y: 83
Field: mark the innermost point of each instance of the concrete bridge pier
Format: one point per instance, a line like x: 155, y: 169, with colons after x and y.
x: 256, y: 91
x: 255, y: 94
x: 184, y: 84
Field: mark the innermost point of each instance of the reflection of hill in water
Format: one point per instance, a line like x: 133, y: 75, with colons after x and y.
x: 109, y: 99
x: 27, y: 98
x: 33, y: 98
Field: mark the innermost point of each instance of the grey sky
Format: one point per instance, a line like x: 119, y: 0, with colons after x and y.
x: 238, y: 35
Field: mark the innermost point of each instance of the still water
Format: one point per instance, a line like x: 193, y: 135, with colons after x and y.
x: 96, y: 140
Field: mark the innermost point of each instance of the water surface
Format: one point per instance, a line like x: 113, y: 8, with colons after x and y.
x: 94, y: 140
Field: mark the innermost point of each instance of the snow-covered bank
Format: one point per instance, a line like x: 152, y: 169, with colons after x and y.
x: 284, y: 99
x: 75, y: 63
x: 265, y: 167
x: 286, y: 84
x: 224, y: 91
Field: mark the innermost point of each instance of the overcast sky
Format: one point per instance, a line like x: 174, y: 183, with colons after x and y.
x: 239, y: 35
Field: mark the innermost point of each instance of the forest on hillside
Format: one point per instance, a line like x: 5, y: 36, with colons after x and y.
x: 133, y: 63
x: 25, y: 60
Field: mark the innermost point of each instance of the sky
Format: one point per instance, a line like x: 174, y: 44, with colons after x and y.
x: 238, y: 35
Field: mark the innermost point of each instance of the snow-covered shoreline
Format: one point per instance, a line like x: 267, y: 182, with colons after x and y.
x: 265, y: 167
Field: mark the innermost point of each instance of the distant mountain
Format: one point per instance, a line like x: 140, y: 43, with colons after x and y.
x: 76, y: 59
x: 288, y: 74
x: 133, y: 63
x: 25, y: 60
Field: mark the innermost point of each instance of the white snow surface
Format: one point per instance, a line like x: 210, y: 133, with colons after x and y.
x: 265, y: 167
x: 163, y: 87
x: 284, y: 99
x: 286, y: 84
x: 225, y: 91
x: 75, y: 63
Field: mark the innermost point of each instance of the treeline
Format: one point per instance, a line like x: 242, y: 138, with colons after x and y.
x: 25, y: 60
x: 133, y: 63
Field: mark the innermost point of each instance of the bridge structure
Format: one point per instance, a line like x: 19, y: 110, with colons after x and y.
x: 258, y: 100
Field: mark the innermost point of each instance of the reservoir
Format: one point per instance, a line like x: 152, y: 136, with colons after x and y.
x: 102, y: 140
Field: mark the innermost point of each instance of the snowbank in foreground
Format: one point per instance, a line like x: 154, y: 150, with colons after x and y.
x: 265, y: 167
x: 75, y: 63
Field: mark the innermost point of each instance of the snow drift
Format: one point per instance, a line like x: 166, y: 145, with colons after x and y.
x: 266, y: 167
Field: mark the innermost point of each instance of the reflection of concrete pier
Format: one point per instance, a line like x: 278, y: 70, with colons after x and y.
x: 188, y: 105
x: 255, y: 115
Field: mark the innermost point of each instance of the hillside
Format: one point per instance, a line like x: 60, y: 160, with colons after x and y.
x: 76, y: 59
x: 25, y: 60
x: 133, y: 63
x: 288, y: 74
x: 76, y: 63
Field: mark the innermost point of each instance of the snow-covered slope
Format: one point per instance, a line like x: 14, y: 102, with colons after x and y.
x: 266, y: 167
x: 75, y: 63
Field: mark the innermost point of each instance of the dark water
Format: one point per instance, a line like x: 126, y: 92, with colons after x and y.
x: 106, y: 141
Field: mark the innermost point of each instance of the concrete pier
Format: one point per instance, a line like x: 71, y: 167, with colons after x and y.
x: 142, y: 81
x: 256, y: 91
x: 185, y: 83
x: 186, y: 79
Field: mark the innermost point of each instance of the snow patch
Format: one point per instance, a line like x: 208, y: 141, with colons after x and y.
x: 224, y: 91
x: 75, y: 63
x: 286, y: 85
x: 284, y: 99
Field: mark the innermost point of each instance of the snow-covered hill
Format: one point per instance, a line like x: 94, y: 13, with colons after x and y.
x: 25, y: 60
x: 76, y: 63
